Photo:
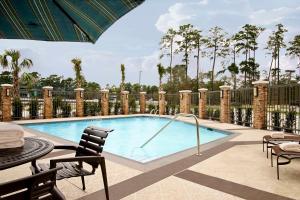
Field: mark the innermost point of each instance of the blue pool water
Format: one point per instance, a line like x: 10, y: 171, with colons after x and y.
x: 130, y: 133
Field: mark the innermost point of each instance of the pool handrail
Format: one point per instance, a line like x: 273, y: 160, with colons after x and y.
x: 153, y: 111
x: 172, y: 120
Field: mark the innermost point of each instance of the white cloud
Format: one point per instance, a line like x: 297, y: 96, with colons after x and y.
x: 276, y: 15
x: 175, y: 16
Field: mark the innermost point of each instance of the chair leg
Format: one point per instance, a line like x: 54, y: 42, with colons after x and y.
x: 267, y: 146
x: 277, y: 168
x: 83, y: 182
x: 104, y: 176
x: 263, y: 143
x: 271, y: 158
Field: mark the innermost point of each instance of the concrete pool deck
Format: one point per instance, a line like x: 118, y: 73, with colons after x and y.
x: 234, y: 169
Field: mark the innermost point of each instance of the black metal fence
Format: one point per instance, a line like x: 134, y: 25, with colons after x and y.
x: 114, y: 104
x: 172, y: 103
x: 133, y: 103
x: 92, y: 104
x: 283, y: 108
x: 213, y: 105
x: 151, y: 102
x: 64, y: 104
x: 241, y: 110
x: 29, y: 105
x: 195, y: 103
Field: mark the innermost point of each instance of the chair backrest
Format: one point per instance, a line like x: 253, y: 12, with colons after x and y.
x: 91, y: 142
x: 38, y: 186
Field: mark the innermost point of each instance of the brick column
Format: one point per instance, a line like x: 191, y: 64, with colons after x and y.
x: 225, y: 104
x: 185, y: 101
x: 142, y: 102
x: 47, y: 93
x: 161, y: 102
x: 104, y: 95
x: 6, y: 95
x: 202, y: 102
x: 124, y: 102
x: 260, y: 95
x: 79, y: 102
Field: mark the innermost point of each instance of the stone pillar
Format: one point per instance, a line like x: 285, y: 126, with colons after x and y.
x: 225, y: 104
x: 104, y: 95
x: 202, y: 102
x: 6, y: 95
x: 124, y: 102
x: 161, y: 102
x: 79, y: 102
x: 185, y: 101
x: 47, y: 93
x: 260, y: 95
x: 142, y: 102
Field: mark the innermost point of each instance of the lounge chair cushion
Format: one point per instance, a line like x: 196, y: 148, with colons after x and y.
x: 277, y: 135
x: 290, y: 146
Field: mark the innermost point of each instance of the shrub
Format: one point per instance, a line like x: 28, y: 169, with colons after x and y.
x: 232, y: 116
x: 209, y: 113
x: 33, y: 108
x: 94, y: 108
x: 168, y: 109
x: 17, y: 107
x: 275, y: 120
x: 248, y: 116
x: 290, y: 121
x: 66, y: 109
x: 117, y: 107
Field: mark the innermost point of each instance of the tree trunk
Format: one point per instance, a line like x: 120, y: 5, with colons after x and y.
x: 186, y: 63
x: 278, y: 67
x: 269, y: 76
x: 198, y: 58
x: 171, y: 59
x: 16, y: 84
x: 213, y: 68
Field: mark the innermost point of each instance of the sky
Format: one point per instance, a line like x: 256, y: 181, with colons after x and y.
x: 134, y: 39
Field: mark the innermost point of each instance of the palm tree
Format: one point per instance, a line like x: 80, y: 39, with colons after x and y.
x: 78, y: 71
x: 122, y: 77
x: 161, y: 71
x: 15, y: 67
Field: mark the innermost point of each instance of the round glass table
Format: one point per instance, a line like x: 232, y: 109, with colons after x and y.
x: 33, y: 149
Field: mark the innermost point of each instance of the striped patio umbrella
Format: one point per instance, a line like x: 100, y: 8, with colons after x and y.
x: 60, y: 20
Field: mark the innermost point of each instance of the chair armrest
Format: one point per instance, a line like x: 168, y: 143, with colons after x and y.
x: 76, y: 159
x: 68, y: 147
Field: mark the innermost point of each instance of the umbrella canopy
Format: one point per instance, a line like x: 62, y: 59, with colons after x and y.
x: 60, y: 20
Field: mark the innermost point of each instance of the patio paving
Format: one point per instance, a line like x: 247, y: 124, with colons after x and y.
x: 235, y: 169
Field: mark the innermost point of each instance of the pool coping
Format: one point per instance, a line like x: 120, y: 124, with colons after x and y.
x: 147, y: 166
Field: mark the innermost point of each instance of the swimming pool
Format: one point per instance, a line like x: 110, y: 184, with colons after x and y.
x: 131, y: 132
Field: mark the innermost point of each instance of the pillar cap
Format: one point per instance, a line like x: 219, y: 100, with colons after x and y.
x: 143, y: 92
x: 161, y: 92
x: 6, y: 85
x: 124, y: 92
x: 260, y: 82
x: 298, y: 82
x: 104, y: 91
x: 224, y: 87
x: 79, y: 89
x: 185, y: 91
x: 202, y: 89
x: 47, y: 88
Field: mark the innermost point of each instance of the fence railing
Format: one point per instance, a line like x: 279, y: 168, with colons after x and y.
x: 195, y: 103
x: 151, y: 102
x: 29, y: 105
x: 114, y: 104
x: 133, y: 103
x: 92, y: 104
x: 64, y: 104
x: 241, y: 110
x: 172, y: 104
x: 213, y: 105
x: 283, y: 108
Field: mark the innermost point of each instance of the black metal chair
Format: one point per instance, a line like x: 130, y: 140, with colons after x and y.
x: 88, y: 151
x: 39, y: 186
